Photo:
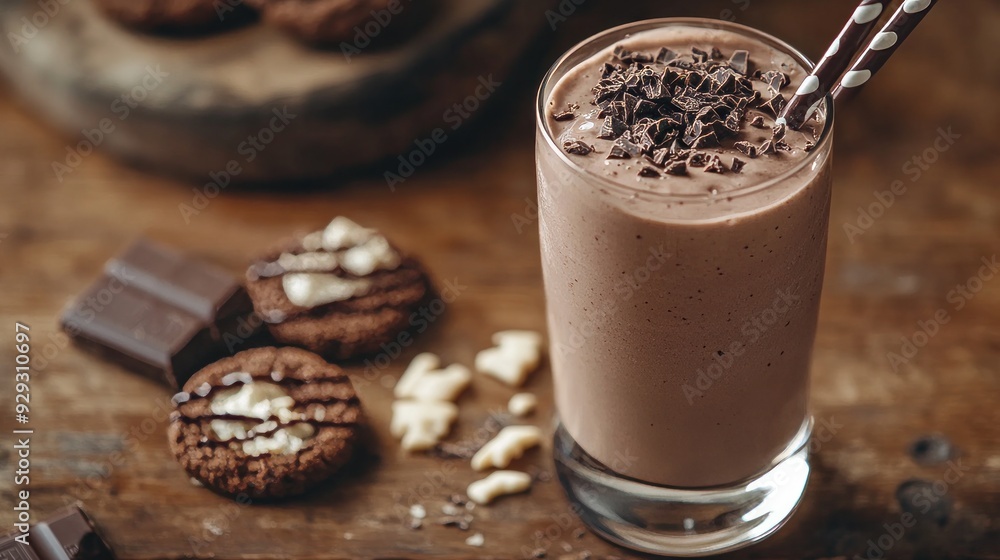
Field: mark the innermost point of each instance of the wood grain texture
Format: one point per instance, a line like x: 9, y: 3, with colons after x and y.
x: 100, y: 430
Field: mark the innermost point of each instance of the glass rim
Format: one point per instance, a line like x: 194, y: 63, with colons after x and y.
x: 622, y: 31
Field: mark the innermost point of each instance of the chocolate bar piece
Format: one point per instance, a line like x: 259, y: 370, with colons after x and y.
x: 162, y: 314
x: 68, y: 535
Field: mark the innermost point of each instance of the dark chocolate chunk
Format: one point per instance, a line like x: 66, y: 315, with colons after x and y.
x: 757, y: 122
x: 699, y: 55
x: 665, y: 55
x: 931, y: 450
x: 782, y: 145
x: 775, y: 104
x: 739, y: 62
x: 698, y: 159
x: 809, y: 146
x: 631, y: 148
x: 716, y: 54
x: 161, y: 314
x: 566, y: 115
x: 648, y: 171
x: 921, y: 499
x: 69, y: 534
x: 707, y: 140
x: 617, y: 152
x: 577, y: 147
x: 775, y: 80
x: 693, y: 132
x: 738, y: 165
x: 676, y: 168
x: 778, y: 132
x: 715, y: 166
x: 766, y: 148
x: 612, y: 128
x: 747, y: 148
x: 660, y: 157
x: 687, y: 103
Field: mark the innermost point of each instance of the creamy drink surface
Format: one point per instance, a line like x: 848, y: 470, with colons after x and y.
x: 682, y: 308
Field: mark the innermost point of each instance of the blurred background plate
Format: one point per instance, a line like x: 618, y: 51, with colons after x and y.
x: 190, y: 106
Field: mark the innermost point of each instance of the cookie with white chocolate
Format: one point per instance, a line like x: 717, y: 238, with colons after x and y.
x: 266, y: 423
x: 340, y: 292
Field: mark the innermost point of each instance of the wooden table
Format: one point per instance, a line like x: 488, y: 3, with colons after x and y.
x: 100, y: 431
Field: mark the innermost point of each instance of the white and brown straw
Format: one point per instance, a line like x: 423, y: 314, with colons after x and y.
x: 824, y: 78
x: 837, y: 58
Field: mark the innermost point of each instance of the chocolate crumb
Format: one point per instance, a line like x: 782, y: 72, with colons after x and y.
x: 648, y: 171
x: 758, y: 122
x: 676, y: 168
x: 738, y: 165
x: 782, y: 145
x: 577, y: 147
x: 715, y: 166
x: 809, y: 146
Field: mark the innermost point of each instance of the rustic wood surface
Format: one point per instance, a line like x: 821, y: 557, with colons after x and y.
x: 100, y: 430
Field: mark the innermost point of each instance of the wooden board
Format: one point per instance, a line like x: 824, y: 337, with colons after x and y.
x: 469, y: 213
x: 188, y: 105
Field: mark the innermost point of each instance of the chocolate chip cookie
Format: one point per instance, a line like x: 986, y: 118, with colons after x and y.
x: 323, y: 21
x: 162, y: 14
x: 266, y: 423
x: 341, y: 292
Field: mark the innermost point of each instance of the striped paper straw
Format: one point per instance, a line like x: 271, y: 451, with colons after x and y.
x: 837, y: 58
x: 899, y: 27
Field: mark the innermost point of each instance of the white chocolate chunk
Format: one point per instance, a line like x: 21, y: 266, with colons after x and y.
x: 374, y: 254
x: 421, y: 424
x: 264, y: 401
x: 498, y: 484
x: 423, y: 381
x: 343, y: 233
x: 421, y: 364
x: 516, y: 354
x: 310, y: 289
x: 522, y: 404
x: 476, y: 540
x: 508, y: 445
x: 313, y: 261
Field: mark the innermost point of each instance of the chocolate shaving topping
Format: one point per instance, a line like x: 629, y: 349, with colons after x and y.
x: 778, y: 132
x: 715, y: 166
x: 577, y: 147
x: 775, y: 104
x: 747, y: 148
x: 698, y: 159
x: 740, y: 61
x: 738, y: 165
x: 566, y: 115
x: 664, y: 106
x: 676, y: 168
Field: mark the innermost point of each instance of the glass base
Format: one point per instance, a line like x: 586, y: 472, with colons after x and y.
x: 677, y: 521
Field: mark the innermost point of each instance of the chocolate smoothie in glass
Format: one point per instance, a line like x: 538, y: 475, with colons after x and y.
x: 683, y: 239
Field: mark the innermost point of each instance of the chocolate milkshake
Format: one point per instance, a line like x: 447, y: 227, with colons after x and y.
x: 683, y: 237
